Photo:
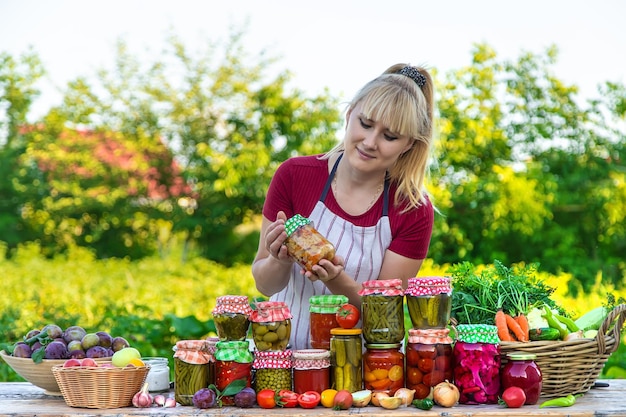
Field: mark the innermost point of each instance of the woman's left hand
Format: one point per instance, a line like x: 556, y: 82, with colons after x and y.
x: 325, y: 270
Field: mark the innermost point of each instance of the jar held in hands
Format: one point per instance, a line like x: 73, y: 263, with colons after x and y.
x: 305, y: 244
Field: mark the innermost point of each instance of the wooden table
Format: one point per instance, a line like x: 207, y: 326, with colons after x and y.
x: 21, y: 399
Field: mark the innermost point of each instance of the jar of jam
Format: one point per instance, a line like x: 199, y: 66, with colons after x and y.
x: 233, y: 361
x: 272, y: 369
x: 231, y: 316
x: 428, y: 360
x: 311, y: 370
x: 305, y: 244
x: 346, y: 359
x: 383, y: 367
x: 521, y: 371
x: 192, y: 369
x: 477, y: 363
x: 271, y: 325
x: 322, y: 315
x: 382, y: 310
x: 429, y: 301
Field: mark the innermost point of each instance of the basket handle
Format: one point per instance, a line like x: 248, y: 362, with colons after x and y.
x: 618, y: 314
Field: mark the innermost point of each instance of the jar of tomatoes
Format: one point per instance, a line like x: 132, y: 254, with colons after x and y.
x: 311, y: 370
x: 346, y: 358
x: 382, y: 309
x: 383, y: 367
x: 271, y: 325
x: 322, y: 315
x: 231, y: 316
x: 192, y: 369
x: 305, y: 244
x: 477, y: 363
x: 429, y: 301
x: 233, y: 361
x: 428, y: 359
x: 272, y: 370
x: 522, y: 371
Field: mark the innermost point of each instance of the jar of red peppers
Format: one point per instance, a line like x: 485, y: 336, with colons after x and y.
x: 272, y: 370
x: 521, y: 371
x: 382, y: 309
x: 477, y: 363
x: 428, y: 359
x: 323, y: 310
x: 192, y: 369
x: 231, y: 316
x: 271, y: 325
x: 311, y: 370
x: 233, y: 361
x: 305, y: 244
x: 429, y: 301
x: 383, y: 367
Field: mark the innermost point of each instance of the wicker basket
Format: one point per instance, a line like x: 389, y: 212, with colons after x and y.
x: 572, y: 367
x: 101, y: 387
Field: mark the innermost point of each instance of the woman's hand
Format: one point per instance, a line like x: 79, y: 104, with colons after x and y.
x: 325, y: 270
x: 275, y: 237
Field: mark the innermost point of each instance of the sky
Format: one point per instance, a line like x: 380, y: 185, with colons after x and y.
x: 338, y: 44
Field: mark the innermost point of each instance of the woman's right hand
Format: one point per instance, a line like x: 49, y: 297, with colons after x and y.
x: 275, y: 236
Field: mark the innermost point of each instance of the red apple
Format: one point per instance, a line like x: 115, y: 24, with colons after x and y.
x: 88, y: 362
x: 71, y: 362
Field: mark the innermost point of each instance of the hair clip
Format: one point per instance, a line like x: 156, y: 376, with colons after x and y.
x: 414, y: 74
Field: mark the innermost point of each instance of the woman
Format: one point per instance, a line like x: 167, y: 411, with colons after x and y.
x: 366, y: 196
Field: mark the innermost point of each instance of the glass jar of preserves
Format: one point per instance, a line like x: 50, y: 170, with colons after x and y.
x: 272, y: 369
x: 322, y: 316
x: 346, y: 359
x: 192, y: 369
x: 305, y: 244
x: 158, y: 378
x: 429, y: 301
x: 477, y: 363
x: 231, y: 316
x: 233, y: 361
x: 382, y: 311
x: 383, y: 367
x: 271, y: 325
x: 521, y: 371
x: 428, y: 360
x: 311, y: 370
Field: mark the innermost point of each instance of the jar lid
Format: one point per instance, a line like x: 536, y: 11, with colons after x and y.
x: 477, y: 333
x: 345, y: 332
x: 383, y: 345
x: 232, y: 304
x: 428, y: 286
x: 326, y: 304
x: 521, y: 356
x: 193, y: 351
x: 389, y: 287
x: 274, y: 359
x: 430, y: 336
x: 233, y: 350
x: 270, y: 311
x: 292, y: 224
x: 311, y: 359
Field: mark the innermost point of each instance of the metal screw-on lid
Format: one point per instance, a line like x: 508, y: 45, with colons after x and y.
x: 521, y: 356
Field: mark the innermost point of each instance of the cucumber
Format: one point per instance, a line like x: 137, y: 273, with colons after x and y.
x: 544, y: 333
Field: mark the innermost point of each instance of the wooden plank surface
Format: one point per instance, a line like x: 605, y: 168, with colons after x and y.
x: 21, y: 399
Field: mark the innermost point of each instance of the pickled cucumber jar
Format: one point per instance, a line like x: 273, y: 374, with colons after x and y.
x: 233, y: 361
x: 428, y: 360
x: 383, y: 367
x: 231, y: 316
x: 311, y: 370
x: 192, y: 369
x: 272, y: 369
x: 346, y: 359
x: 522, y: 371
x: 322, y: 316
x: 429, y: 301
x: 305, y: 244
x: 382, y: 311
x: 477, y: 361
x: 271, y: 325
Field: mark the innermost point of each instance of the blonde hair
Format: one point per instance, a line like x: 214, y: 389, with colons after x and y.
x: 399, y: 103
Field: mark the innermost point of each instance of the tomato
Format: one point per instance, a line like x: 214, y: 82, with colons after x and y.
x: 266, y: 398
x: 309, y: 399
x: 328, y: 397
x: 287, y: 399
x: 343, y: 400
x: 514, y: 397
x: 347, y: 316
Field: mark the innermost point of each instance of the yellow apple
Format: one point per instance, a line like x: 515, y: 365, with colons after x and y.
x: 122, y: 357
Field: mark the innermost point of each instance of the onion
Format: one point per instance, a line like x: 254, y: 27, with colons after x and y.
x: 406, y: 395
x: 376, y: 396
x: 446, y: 394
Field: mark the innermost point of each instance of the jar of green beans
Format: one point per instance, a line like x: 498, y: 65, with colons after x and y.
x: 382, y: 310
x: 192, y: 369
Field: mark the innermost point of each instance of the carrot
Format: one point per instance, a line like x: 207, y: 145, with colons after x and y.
x: 503, y: 328
x: 522, y: 320
x: 515, y: 328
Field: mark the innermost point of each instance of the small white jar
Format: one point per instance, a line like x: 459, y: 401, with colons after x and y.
x: 158, y: 378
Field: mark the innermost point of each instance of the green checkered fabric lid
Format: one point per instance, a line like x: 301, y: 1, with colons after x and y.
x: 477, y: 333
x: 326, y: 304
x: 234, y: 350
x: 294, y: 222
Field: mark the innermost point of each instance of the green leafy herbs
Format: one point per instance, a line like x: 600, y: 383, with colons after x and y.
x: 478, y: 295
